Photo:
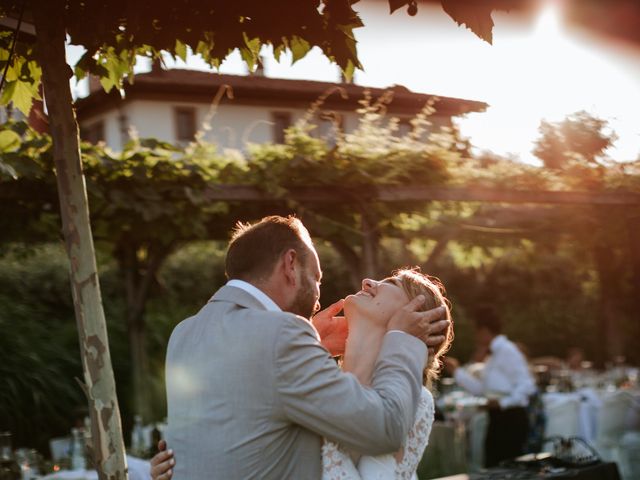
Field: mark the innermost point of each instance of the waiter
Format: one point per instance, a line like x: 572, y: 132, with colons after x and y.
x: 506, y: 383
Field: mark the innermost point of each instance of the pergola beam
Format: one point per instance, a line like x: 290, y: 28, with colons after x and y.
x: 393, y: 194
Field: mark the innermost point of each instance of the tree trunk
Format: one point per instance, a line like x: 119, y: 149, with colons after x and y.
x: 106, y: 431
x: 633, y: 231
x: 139, y: 276
x: 130, y: 266
x: 610, y: 287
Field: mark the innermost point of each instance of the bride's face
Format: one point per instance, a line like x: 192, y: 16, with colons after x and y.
x: 377, y: 301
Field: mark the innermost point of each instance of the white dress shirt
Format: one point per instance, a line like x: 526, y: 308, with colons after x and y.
x: 255, y: 292
x: 506, y: 376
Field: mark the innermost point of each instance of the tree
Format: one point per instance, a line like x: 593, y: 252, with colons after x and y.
x: 580, y: 137
x: 575, y: 148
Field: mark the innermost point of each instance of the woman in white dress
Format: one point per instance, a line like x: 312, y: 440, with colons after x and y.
x: 367, y: 313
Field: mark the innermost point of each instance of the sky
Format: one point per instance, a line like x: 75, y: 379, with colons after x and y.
x: 536, y: 68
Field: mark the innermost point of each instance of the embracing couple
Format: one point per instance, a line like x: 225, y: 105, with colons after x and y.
x: 253, y: 390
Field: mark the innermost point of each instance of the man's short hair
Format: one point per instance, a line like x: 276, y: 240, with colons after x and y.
x: 487, y: 317
x: 255, y: 249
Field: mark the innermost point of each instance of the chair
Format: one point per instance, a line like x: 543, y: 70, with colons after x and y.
x: 60, y: 448
x: 562, y: 419
x: 611, y: 424
x: 629, y: 456
x: 477, y: 434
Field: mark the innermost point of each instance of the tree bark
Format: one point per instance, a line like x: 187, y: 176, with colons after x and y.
x: 609, y: 312
x: 100, y: 388
x: 130, y: 266
x: 139, y: 276
x: 633, y: 231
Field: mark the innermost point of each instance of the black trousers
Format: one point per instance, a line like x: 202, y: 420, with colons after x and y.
x: 506, y: 435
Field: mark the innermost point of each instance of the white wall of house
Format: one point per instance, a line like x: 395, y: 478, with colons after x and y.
x: 7, y: 114
x: 231, y: 126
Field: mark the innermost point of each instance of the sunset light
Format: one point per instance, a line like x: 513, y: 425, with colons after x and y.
x: 469, y: 175
x: 537, y: 68
x: 549, y: 73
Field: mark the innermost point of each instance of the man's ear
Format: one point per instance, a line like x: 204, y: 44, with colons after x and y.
x: 290, y: 266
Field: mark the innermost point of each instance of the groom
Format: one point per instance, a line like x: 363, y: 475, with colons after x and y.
x: 250, y: 389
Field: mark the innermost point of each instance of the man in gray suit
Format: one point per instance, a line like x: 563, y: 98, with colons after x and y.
x: 250, y: 389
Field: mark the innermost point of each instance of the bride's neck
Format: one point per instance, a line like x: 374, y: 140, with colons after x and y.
x: 362, y: 348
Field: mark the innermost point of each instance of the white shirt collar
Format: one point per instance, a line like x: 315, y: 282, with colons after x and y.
x: 255, y: 292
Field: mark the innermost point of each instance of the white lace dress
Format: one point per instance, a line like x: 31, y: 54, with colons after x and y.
x: 338, y: 465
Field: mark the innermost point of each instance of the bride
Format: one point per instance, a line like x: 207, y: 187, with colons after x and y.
x: 367, y: 313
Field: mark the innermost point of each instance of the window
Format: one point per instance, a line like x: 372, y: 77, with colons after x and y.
x: 185, y: 124
x: 281, y: 121
x: 93, y: 133
x: 330, y: 125
x: 404, y: 127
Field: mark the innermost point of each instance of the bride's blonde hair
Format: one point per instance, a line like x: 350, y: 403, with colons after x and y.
x: 415, y: 283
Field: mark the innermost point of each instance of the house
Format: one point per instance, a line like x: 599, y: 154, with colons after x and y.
x: 172, y: 105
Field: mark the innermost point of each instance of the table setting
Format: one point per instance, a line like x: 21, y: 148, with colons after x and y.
x: 601, y: 408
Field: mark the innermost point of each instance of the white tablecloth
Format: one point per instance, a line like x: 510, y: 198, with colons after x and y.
x: 589, y: 403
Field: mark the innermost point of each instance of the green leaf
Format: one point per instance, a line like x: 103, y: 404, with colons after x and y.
x: 277, y: 51
x: 299, y: 48
x: 35, y: 71
x: 181, y: 50
x: 21, y: 94
x: 9, y: 141
x: 348, y: 71
x: 107, y: 83
x: 475, y: 15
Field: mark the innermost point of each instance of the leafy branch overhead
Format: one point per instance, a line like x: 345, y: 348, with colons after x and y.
x: 115, y: 33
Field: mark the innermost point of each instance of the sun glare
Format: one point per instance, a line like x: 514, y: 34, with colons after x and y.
x: 547, y: 24
x: 533, y: 71
x: 554, y: 74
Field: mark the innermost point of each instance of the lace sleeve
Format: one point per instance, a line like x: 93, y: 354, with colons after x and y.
x: 418, y: 437
x: 337, y: 464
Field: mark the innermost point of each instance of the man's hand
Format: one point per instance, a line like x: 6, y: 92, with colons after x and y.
x: 428, y: 326
x: 333, y: 329
x: 162, y: 463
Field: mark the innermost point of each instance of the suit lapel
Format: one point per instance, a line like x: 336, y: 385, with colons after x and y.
x: 237, y: 296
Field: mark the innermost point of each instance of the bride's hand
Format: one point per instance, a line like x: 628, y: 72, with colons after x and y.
x: 162, y: 463
x: 429, y: 326
x: 333, y: 329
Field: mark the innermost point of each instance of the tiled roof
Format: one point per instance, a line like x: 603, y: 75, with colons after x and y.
x: 202, y: 86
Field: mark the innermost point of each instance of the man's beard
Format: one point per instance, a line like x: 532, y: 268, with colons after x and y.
x: 304, y: 304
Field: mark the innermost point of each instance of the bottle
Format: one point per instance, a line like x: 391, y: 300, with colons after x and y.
x: 88, y: 444
x: 137, y: 437
x: 9, y: 468
x: 156, y: 436
x: 78, y: 461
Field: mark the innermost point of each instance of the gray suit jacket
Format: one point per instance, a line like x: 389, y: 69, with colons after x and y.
x: 251, y: 393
